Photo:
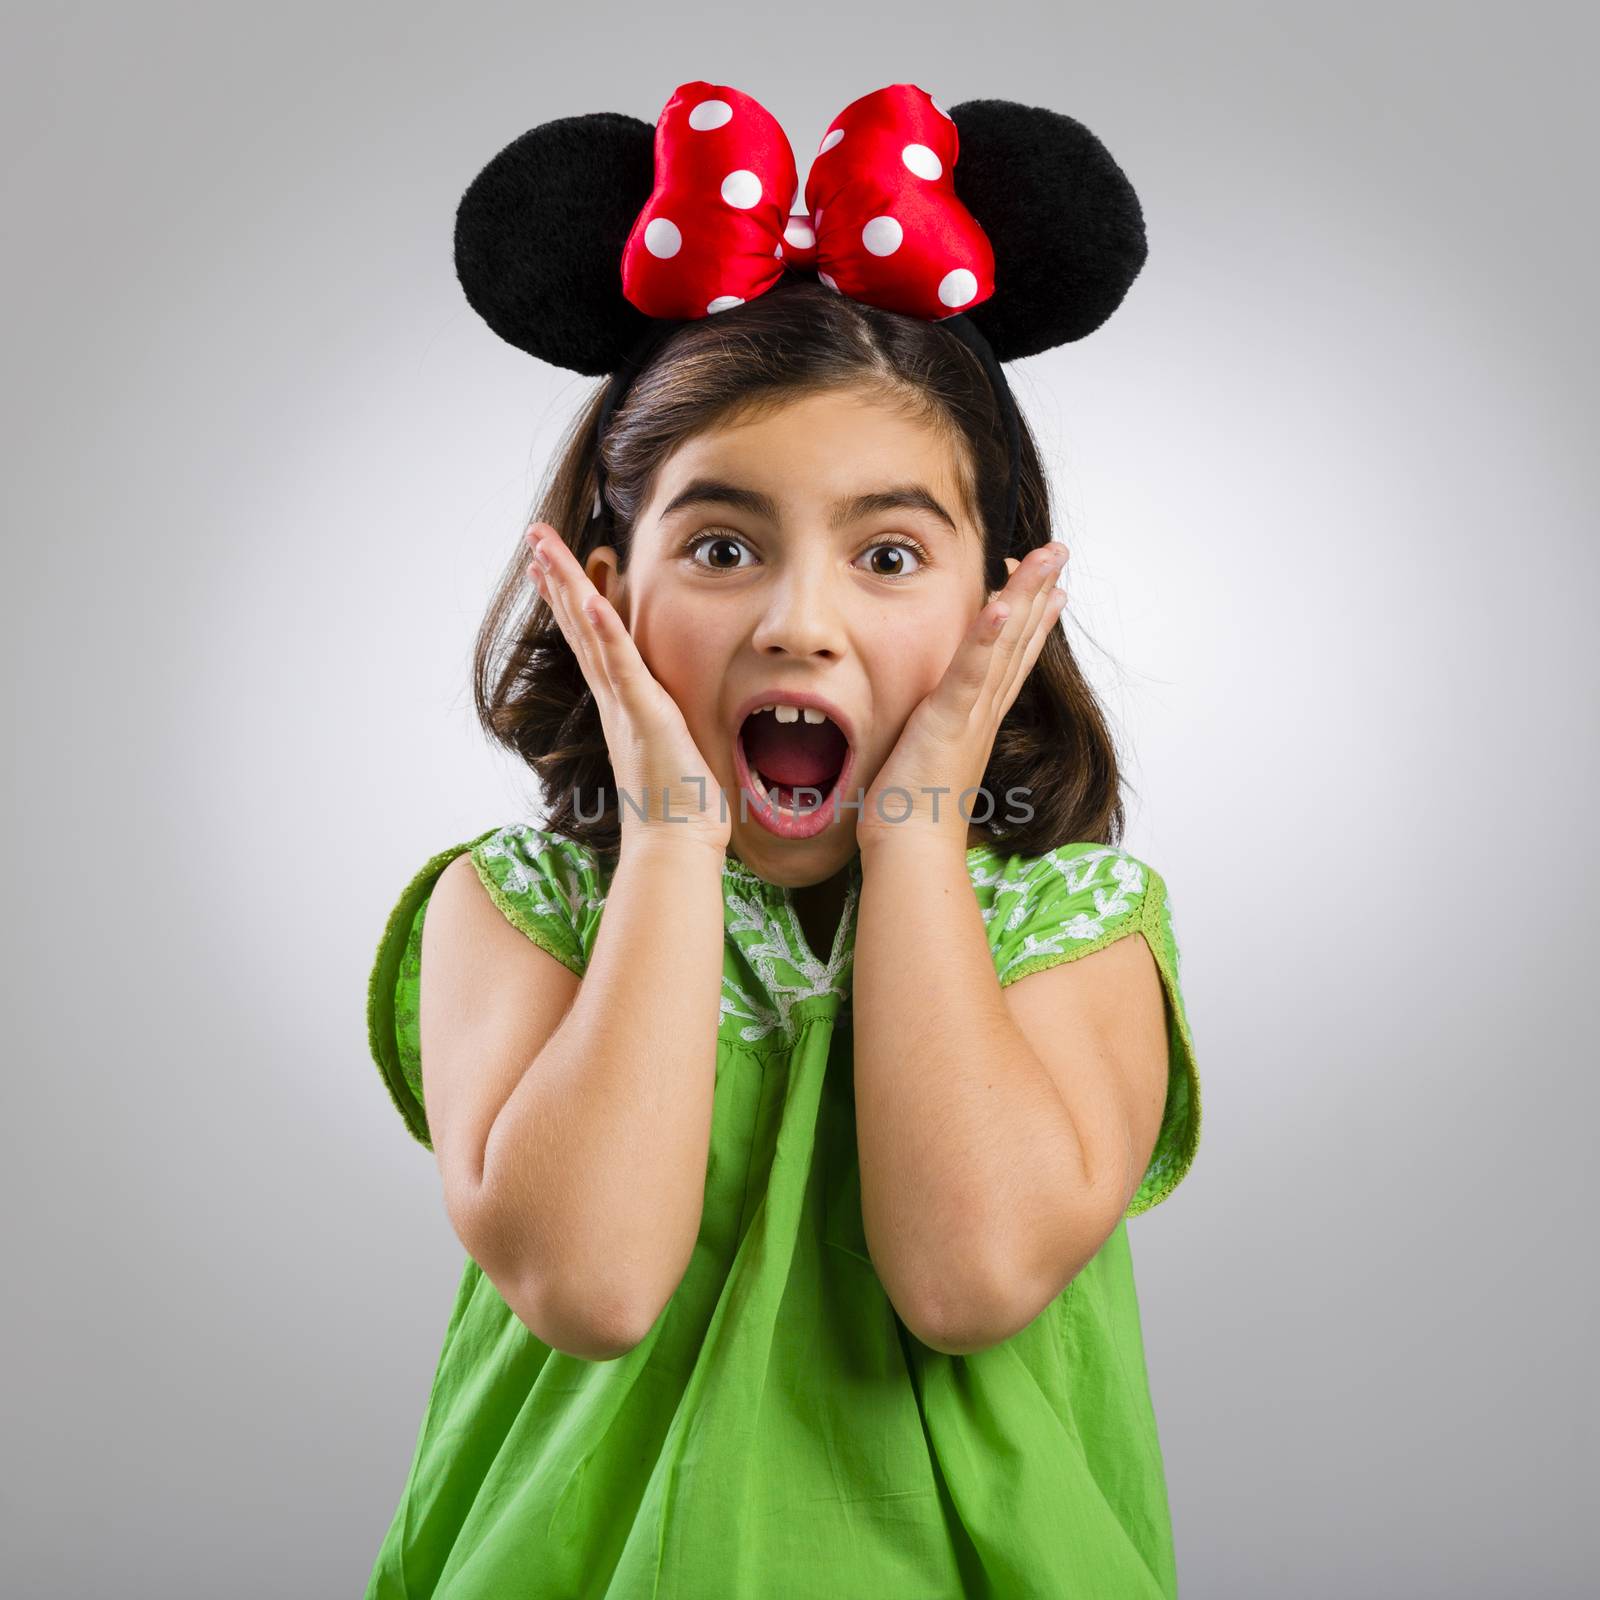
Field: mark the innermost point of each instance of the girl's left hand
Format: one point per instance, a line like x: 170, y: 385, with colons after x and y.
x: 947, y: 741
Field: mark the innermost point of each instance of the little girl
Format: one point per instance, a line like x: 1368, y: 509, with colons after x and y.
x: 792, y: 1083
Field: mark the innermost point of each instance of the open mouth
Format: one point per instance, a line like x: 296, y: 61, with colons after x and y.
x: 794, y: 758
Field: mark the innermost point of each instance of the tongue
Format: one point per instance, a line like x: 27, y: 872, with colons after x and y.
x: 794, y: 753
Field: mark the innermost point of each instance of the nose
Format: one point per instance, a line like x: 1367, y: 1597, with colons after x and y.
x: 802, y: 611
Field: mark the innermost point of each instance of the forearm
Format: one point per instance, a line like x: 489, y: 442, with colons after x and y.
x: 967, y: 1150
x: 600, y: 1152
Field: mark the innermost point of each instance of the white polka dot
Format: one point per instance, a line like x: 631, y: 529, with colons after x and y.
x: 956, y: 288
x: 827, y: 144
x: 922, y: 161
x: 882, y: 236
x: 741, y: 189
x: 662, y: 238
x: 823, y: 276
x: 798, y: 233
x: 724, y: 301
x: 777, y: 249
x: 710, y: 114
x: 940, y: 109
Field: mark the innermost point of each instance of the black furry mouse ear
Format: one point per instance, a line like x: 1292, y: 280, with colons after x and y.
x: 540, y: 234
x: 1065, y: 223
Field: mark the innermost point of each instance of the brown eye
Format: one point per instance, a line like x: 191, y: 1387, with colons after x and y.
x: 722, y: 544
x: 892, y: 557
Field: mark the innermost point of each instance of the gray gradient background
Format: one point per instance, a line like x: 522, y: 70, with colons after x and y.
x: 1328, y: 478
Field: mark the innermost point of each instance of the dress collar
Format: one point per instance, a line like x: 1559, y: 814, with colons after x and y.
x: 792, y: 980
x: 736, y: 874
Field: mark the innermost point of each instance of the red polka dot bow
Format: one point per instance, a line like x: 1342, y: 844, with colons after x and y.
x: 882, y: 223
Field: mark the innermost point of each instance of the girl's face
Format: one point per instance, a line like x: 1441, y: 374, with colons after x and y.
x: 820, y: 547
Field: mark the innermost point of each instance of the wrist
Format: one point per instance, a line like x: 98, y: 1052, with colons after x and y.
x: 674, y: 838
x: 918, y: 840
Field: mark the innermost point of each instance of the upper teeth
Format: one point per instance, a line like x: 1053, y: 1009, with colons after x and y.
x: 790, y: 713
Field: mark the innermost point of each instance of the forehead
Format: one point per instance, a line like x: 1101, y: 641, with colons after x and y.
x: 833, y: 455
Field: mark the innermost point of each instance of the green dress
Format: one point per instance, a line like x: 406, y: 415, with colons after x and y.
x: 779, y: 1433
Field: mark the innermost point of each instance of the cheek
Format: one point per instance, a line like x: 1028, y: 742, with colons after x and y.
x: 673, y: 647
x: 679, y: 640
x: 686, y: 649
x: 909, y: 651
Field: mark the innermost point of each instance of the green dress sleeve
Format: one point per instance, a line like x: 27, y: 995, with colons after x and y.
x: 1082, y: 897
x: 546, y: 886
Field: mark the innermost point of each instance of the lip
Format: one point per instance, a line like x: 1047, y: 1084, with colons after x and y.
x: 776, y: 821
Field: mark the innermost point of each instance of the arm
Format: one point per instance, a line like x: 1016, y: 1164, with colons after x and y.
x: 572, y: 1120
x: 991, y: 1170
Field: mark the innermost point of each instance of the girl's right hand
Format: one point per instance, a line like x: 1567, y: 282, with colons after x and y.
x: 650, y: 744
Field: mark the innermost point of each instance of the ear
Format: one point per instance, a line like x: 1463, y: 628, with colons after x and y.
x: 600, y: 567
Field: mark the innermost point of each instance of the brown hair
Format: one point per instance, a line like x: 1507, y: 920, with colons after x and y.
x: 800, y: 338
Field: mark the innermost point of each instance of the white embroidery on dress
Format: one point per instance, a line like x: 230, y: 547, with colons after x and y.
x: 1078, y: 873
x: 523, y: 848
x: 994, y: 878
x: 738, y: 1003
x: 789, y: 973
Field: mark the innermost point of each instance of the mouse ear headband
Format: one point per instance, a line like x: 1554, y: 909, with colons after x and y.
x: 590, y: 239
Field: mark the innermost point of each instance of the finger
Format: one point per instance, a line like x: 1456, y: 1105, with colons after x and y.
x: 627, y: 676
x: 632, y: 681
x: 557, y: 599
x: 1043, y: 609
x: 594, y: 673
x: 554, y: 600
x: 575, y: 626
x: 992, y: 651
x: 984, y: 686
x: 1052, y: 601
x: 1025, y: 593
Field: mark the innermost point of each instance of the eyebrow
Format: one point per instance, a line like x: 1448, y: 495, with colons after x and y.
x: 900, y: 497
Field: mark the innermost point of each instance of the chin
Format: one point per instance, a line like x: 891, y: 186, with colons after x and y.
x: 793, y: 863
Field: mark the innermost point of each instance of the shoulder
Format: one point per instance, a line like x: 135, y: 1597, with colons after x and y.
x: 546, y: 886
